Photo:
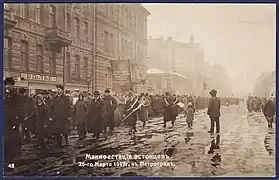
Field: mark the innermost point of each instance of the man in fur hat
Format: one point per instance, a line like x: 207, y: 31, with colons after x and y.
x: 60, y: 115
x: 214, y: 111
x: 13, y: 115
x: 110, y: 105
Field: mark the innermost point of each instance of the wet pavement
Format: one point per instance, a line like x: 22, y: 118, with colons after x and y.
x: 244, y: 147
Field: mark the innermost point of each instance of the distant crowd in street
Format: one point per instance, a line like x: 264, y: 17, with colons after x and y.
x: 265, y: 105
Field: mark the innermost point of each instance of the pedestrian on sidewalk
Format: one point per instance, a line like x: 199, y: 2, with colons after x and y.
x: 214, y: 111
x: 269, y: 111
x: 189, y: 114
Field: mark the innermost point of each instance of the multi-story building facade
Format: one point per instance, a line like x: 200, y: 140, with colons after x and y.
x: 73, y: 44
x: 186, y: 59
x: 121, y: 35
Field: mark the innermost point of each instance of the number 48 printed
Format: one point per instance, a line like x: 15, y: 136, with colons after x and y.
x: 11, y: 165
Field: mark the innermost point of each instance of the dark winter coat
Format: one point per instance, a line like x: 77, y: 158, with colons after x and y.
x: 189, y: 113
x: 214, y: 106
x: 110, y: 105
x: 13, y: 115
x: 169, y: 111
x: 60, y: 111
x: 269, y: 109
x: 41, y: 120
x: 80, y: 111
x: 95, y: 113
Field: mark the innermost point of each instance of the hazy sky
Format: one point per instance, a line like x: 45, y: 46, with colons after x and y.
x: 240, y: 37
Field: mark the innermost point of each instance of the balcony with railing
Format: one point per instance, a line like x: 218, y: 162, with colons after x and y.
x: 57, y: 38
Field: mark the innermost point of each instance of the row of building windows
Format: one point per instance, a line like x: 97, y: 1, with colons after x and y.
x: 76, y: 25
x: 51, y: 19
x: 40, y: 66
x: 76, y: 72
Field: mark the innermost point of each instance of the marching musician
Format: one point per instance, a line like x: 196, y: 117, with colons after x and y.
x: 169, y: 109
x: 131, y: 104
x: 95, y: 115
x: 143, y: 111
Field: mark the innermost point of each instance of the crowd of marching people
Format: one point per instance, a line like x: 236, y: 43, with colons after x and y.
x: 51, y: 117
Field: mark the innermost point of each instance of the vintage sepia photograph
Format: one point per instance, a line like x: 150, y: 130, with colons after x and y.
x: 139, y: 89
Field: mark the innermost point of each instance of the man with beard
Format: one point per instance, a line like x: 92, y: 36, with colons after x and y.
x: 13, y: 114
x: 131, y: 104
x: 169, y: 112
x: 29, y: 107
x: 60, y: 113
x: 95, y: 115
x: 214, y: 111
x: 110, y: 105
x: 80, y: 110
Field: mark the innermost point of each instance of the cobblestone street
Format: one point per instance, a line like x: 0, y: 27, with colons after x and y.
x: 247, y: 148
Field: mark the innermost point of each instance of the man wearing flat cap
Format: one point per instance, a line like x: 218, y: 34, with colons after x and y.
x: 214, y: 111
x: 110, y: 105
x: 95, y: 113
x: 13, y: 115
x: 60, y: 113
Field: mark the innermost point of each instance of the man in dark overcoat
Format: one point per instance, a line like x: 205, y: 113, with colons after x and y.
x: 110, y: 105
x: 214, y: 111
x: 169, y: 109
x: 269, y: 111
x: 95, y: 115
x: 80, y: 115
x: 13, y: 115
x: 60, y: 114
